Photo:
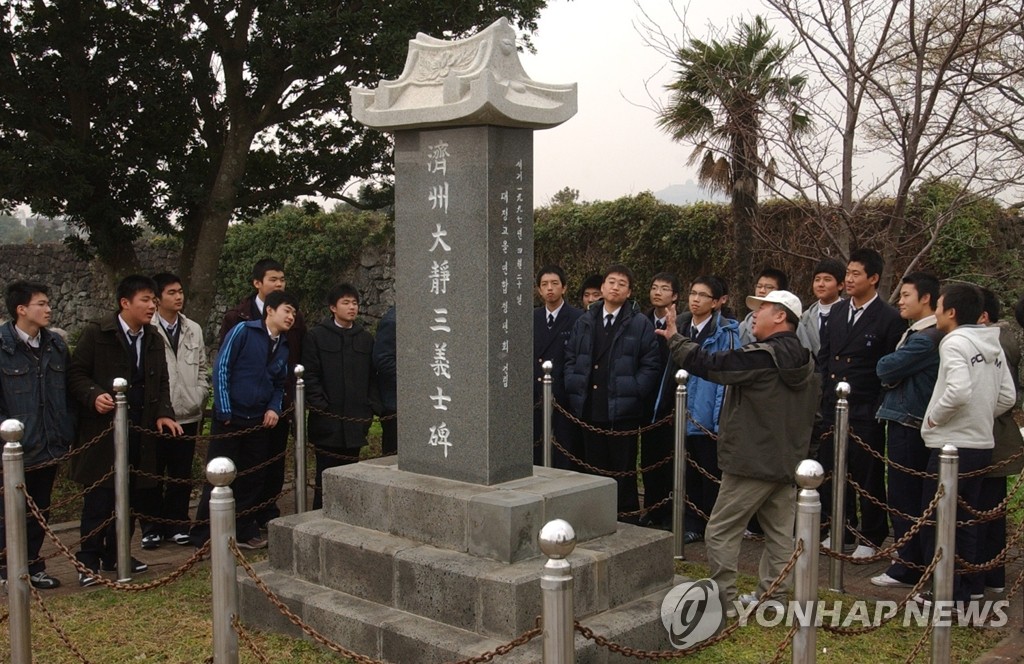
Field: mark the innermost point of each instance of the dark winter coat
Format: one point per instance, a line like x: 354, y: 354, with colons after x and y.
x: 34, y: 391
x: 631, y: 357
x: 339, y: 379
x: 101, y: 356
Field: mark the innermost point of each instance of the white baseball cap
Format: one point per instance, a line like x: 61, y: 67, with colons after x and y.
x: 783, y: 297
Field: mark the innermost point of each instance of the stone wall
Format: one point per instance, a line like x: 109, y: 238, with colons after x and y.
x: 79, y: 291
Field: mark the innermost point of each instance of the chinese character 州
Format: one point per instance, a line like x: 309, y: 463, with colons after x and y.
x: 438, y: 197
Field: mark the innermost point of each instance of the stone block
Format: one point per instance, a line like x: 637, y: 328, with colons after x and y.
x: 257, y: 610
x: 358, y: 494
x: 588, y: 502
x: 361, y: 562
x: 638, y: 561
x: 503, y: 525
x: 441, y: 586
x: 307, y: 537
x: 433, y: 510
x: 348, y: 621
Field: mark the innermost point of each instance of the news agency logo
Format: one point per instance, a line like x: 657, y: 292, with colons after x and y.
x: 692, y: 612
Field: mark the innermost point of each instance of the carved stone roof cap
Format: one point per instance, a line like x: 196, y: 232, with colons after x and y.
x: 474, y: 81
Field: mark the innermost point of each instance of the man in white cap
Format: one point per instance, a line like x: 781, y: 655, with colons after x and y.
x: 772, y: 393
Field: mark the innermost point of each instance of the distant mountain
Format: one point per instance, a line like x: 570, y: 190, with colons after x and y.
x: 691, y: 192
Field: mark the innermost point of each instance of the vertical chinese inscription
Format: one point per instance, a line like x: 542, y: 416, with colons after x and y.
x: 511, y: 280
x: 439, y: 247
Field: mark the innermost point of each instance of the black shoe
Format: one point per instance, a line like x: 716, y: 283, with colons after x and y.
x: 43, y: 581
x: 90, y: 579
x: 138, y: 567
x: 181, y: 539
x: 152, y: 540
x: 692, y: 537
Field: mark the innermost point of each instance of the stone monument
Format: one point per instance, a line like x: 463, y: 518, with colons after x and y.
x: 434, y: 557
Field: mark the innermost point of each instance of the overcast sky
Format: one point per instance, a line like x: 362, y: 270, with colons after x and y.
x: 612, y: 146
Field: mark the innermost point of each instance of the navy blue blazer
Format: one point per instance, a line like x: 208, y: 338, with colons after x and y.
x: 851, y: 353
x: 550, y: 345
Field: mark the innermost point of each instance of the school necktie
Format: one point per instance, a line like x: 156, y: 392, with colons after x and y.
x: 133, y: 346
x: 659, y: 324
x: 608, y: 320
x: 172, y: 336
x: 853, y: 315
x: 551, y: 321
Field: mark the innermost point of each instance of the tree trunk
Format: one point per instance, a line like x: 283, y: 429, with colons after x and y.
x: 201, y: 257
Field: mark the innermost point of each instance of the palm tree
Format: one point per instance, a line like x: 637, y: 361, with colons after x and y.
x: 723, y: 90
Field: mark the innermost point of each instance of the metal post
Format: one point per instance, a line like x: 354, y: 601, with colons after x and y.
x: 122, y: 480
x: 547, y: 407
x: 837, y: 532
x: 220, y: 472
x: 18, y: 593
x: 557, y: 540
x: 809, y: 476
x: 679, y: 465
x: 300, y: 440
x: 945, y: 541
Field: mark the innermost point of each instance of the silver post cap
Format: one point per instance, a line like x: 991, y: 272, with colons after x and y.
x: 809, y: 474
x: 557, y: 539
x: 682, y: 376
x: 220, y: 471
x: 547, y: 366
x: 299, y: 370
x: 948, y: 451
x: 120, y: 385
x: 11, y: 431
x: 843, y: 389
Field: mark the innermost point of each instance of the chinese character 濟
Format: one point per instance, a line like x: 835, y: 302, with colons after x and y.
x: 438, y: 155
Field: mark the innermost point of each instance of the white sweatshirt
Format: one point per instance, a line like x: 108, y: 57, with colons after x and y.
x: 973, y: 387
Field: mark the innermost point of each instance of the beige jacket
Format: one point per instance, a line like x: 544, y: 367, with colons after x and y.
x: 188, y: 371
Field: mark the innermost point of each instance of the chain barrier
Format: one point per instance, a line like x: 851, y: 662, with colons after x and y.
x: 637, y: 653
x: 243, y: 634
x: 200, y: 437
x: 889, y: 552
x: 925, y: 638
x: 356, y: 420
x: 56, y: 626
x: 784, y: 644
x: 933, y: 476
x: 524, y: 638
x: 704, y: 430
x: 700, y: 469
x: 665, y: 421
x: 855, y: 631
x: 594, y: 470
x: 644, y: 510
x: 1017, y: 583
x: 82, y: 569
x: 76, y: 451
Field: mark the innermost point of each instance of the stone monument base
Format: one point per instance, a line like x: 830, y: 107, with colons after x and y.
x: 411, y: 568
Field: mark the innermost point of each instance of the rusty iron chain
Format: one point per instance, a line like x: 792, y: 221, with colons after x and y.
x: 77, y: 450
x: 933, y: 476
x: 200, y: 437
x: 637, y: 653
x: 784, y: 644
x: 346, y: 418
x: 644, y: 510
x: 851, y: 631
x: 243, y: 634
x: 609, y: 432
x: 887, y: 553
x: 920, y: 643
x: 82, y: 569
x: 55, y: 625
x: 594, y: 470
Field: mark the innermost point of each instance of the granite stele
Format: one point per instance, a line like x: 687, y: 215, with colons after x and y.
x: 434, y: 557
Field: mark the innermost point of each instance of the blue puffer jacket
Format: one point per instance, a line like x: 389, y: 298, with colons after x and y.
x: 704, y: 398
x: 908, y: 377
x: 247, y: 380
x: 35, y: 392
x: 633, y: 357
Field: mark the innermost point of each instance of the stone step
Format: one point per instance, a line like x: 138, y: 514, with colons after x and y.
x: 393, y: 635
x: 500, y: 521
x: 464, y: 591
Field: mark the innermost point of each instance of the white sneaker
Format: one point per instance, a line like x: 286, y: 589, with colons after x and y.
x: 886, y: 581
x: 749, y: 599
x: 827, y: 542
x: 863, y: 551
x: 999, y: 590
